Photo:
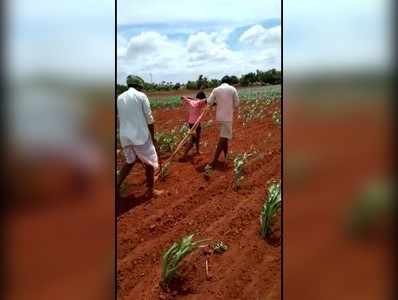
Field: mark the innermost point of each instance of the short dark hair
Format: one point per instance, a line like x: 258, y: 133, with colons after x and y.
x: 135, y: 86
x: 201, y: 95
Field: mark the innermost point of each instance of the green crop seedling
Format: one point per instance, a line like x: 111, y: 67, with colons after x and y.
x: 173, y: 256
x: 276, y: 117
x: 239, y: 165
x: 270, y: 208
x: 164, y: 171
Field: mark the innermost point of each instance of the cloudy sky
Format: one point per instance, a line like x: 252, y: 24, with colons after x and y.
x: 179, y: 40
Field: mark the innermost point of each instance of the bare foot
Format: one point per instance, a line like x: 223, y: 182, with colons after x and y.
x: 208, y: 168
x: 157, y: 192
x: 153, y: 193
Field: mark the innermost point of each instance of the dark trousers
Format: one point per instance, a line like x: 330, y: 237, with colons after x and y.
x: 196, y: 138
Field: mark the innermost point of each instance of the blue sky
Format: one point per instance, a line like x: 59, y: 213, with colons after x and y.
x: 179, y: 40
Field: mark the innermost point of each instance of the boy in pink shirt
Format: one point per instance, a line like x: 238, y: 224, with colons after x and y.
x: 195, y: 107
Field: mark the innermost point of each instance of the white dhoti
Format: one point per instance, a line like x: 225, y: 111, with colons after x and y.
x: 225, y: 129
x: 145, y: 153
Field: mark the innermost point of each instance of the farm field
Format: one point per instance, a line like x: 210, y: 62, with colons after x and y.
x: 212, y: 208
x: 172, y: 98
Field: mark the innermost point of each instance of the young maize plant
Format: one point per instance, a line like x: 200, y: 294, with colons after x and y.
x: 276, y: 117
x: 253, y: 111
x: 270, y: 208
x: 208, y: 171
x: 166, y: 141
x: 184, y: 130
x: 164, y: 171
x: 173, y: 256
x: 239, y: 165
x: 268, y: 101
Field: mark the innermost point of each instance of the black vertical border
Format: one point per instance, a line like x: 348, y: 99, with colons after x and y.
x: 4, y: 267
x: 282, y: 160
x: 115, y: 160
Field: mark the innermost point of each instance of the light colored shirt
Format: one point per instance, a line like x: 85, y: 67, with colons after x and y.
x: 194, y: 108
x: 226, y: 97
x: 134, y: 116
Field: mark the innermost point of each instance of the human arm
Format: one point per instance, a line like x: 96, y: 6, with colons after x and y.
x: 149, y: 118
x: 236, y: 98
x: 151, y: 128
x: 202, y: 102
x: 147, y: 110
x: 211, y: 100
x: 186, y: 100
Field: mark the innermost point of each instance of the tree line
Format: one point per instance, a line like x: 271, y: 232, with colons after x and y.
x: 253, y: 78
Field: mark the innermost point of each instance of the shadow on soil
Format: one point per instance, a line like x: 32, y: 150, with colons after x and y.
x: 274, y: 240
x: 124, y: 204
x: 220, y: 166
x: 182, y: 283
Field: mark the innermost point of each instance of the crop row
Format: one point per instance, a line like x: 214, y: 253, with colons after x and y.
x: 174, y: 255
x: 246, y: 94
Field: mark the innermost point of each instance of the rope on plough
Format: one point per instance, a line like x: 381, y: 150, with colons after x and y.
x: 192, y: 130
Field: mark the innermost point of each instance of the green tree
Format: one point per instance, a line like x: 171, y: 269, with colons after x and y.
x: 120, y: 89
x: 244, y: 80
x: 214, y: 83
x: 191, y: 85
x: 234, y: 79
x: 251, y: 77
x: 199, y: 82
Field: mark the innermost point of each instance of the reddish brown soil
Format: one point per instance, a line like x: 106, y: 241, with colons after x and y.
x: 251, y: 268
x: 321, y: 261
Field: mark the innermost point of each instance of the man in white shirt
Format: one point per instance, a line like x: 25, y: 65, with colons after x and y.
x: 136, y: 130
x: 226, y: 98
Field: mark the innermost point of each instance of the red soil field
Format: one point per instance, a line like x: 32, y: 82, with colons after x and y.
x: 321, y: 261
x: 251, y: 268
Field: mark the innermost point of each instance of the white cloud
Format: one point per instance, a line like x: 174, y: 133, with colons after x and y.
x: 271, y: 56
x: 145, y: 43
x: 121, y: 46
x: 208, y: 47
x: 149, y: 52
x: 185, y: 59
x: 178, y: 40
x: 258, y: 36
